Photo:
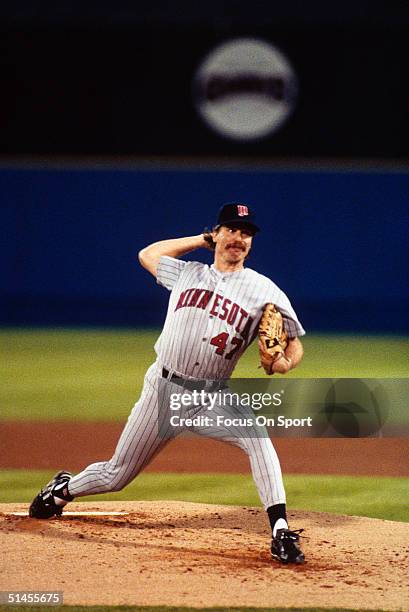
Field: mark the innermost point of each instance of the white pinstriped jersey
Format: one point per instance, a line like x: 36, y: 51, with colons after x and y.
x: 213, y: 316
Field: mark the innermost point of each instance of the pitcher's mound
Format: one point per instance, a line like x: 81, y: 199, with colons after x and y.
x: 185, y: 554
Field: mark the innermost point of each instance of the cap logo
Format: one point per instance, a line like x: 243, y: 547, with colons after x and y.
x: 242, y: 211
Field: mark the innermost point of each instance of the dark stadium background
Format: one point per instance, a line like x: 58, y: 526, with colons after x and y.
x: 102, y: 151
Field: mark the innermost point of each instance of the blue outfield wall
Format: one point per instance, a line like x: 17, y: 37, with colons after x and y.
x: 335, y: 241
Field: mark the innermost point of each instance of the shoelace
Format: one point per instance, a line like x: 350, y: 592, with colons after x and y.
x: 292, y: 534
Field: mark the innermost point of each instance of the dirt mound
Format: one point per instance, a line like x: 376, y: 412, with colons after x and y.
x: 186, y: 554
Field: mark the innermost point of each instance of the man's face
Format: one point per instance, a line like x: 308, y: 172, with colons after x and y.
x: 232, y: 243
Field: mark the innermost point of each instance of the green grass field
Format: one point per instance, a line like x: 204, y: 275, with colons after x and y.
x: 98, y: 374
x: 384, y: 498
x: 66, y: 374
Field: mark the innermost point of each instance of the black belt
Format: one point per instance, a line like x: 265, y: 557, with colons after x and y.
x: 193, y: 385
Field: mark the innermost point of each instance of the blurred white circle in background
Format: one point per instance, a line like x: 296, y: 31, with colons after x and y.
x: 245, y: 89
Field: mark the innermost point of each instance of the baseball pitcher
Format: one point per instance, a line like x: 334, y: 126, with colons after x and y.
x: 214, y: 314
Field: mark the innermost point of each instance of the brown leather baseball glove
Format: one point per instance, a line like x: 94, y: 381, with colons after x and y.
x: 272, y: 337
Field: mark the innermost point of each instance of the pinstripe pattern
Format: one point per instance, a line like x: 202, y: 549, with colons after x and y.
x: 184, y: 345
x: 254, y: 441
x: 204, y: 304
x: 140, y: 442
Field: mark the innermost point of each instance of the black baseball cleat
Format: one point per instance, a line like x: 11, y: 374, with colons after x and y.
x: 43, y: 506
x: 285, y: 546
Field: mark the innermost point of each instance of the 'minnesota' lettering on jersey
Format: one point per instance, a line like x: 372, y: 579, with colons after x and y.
x: 224, y: 309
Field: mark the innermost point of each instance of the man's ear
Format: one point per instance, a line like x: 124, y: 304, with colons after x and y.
x: 215, y: 233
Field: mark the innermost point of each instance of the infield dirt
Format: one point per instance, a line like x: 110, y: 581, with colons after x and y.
x: 185, y: 554
x: 72, y: 446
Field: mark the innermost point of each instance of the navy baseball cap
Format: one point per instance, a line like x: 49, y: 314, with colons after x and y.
x: 238, y: 215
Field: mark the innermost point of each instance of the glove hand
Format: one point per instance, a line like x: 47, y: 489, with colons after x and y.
x: 274, y: 364
x: 272, y: 341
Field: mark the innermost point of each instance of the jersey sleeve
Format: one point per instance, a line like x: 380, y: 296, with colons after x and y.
x: 168, y: 271
x: 291, y: 323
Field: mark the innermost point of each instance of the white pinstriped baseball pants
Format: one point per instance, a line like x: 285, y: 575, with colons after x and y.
x: 141, y: 440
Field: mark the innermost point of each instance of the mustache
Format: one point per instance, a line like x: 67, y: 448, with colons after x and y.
x: 236, y: 245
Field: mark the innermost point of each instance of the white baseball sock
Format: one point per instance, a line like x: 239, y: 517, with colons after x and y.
x: 280, y: 524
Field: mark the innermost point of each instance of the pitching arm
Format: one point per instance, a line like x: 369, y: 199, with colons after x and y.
x: 175, y: 247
